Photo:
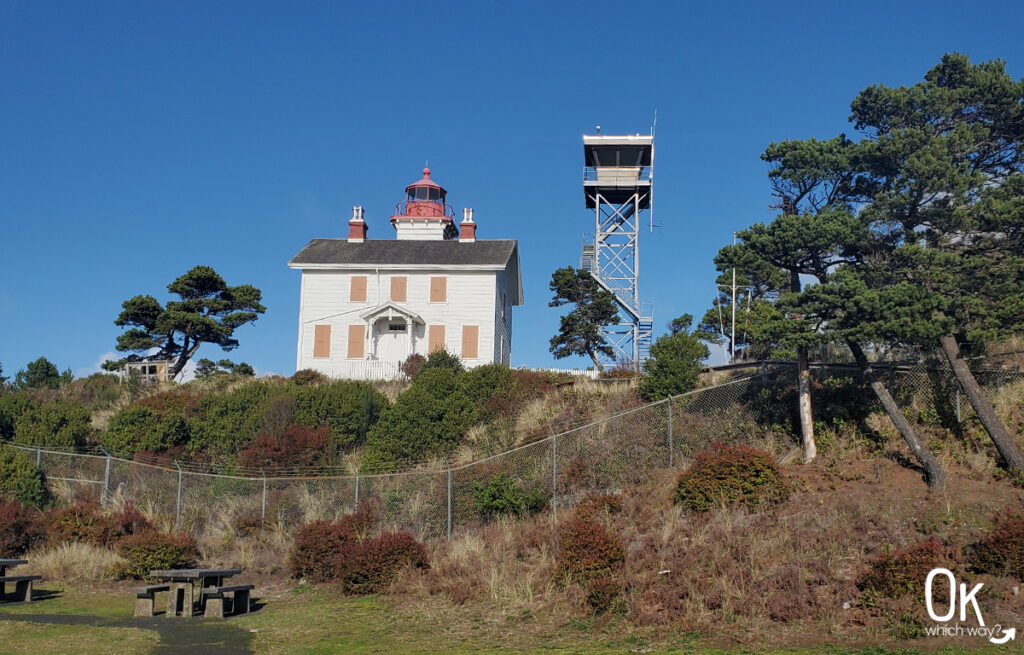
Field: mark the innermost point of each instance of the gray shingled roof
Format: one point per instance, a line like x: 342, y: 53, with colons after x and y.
x: 492, y: 252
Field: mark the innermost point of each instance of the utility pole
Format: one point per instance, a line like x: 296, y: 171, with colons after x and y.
x: 732, y: 342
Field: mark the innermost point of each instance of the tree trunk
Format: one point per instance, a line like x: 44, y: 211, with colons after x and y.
x: 186, y: 354
x: 1004, y: 441
x: 933, y: 472
x: 803, y: 378
x: 803, y: 385
x: 597, y: 363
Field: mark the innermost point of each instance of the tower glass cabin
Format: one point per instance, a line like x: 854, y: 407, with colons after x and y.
x: 618, y: 177
x: 425, y: 215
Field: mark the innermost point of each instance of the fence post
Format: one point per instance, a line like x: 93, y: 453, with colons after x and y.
x: 263, y: 512
x: 39, y: 457
x: 449, y: 500
x: 764, y: 374
x: 356, y: 505
x: 670, y: 448
x: 106, y: 481
x: 958, y: 419
x: 177, y: 510
x: 554, y: 470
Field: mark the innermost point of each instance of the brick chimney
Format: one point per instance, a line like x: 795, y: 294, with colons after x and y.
x: 467, y: 228
x: 357, y: 227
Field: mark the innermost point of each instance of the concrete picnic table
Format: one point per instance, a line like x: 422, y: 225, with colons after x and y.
x: 183, y: 584
x: 23, y: 583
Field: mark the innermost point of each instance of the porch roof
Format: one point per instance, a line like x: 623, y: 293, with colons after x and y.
x: 389, y: 309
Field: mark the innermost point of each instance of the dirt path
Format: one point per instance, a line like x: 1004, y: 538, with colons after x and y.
x: 212, y: 636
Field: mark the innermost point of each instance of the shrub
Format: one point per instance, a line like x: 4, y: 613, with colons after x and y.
x: 731, y: 474
x: 429, y: 418
x: 298, y: 446
x: 98, y: 391
x: 347, y: 408
x: 20, y: 527
x: 902, y: 572
x: 594, y: 503
x: 131, y: 521
x: 377, y: 562
x: 488, y: 383
x: 21, y: 479
x: 603, y: 593
x: 81, y: 522
x: 151, y: 550
x: 308, y: 376
x: 314, y: 555
x: 227, y: 422
x: 12, y: 405
x: 60, y: 423
x: 412, y: 365
x: 588, y: 550
x: 675, y: 363
x: 1001, y: 551
x: 146, y: 428
x: 444, y: 360
x: 326, y: 550
x: 501, y: 496
x: 249, y: 523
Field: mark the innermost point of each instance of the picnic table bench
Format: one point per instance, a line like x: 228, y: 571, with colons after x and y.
x: 22, y: 583
x: 193, y: 589
x: 239, y: 599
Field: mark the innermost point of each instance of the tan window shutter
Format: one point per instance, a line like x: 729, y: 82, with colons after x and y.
x: 470, y: 341
x: 438, y: 289
x: 436, y: 341
x: 356, y: 336
x: 358, y: 293
x: 398, y: 288
x: 322, y: 341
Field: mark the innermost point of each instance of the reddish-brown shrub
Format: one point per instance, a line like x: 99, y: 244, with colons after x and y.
x: 249, y: 523
x: 377, y: 562
x: 412, y: 365
x: 316, y: 548
x: 731, y: 474
x: 588, y: 550
x: 83, y: 521
x: 171, y: 402
x: 595, y: 503
x: 131, y: 521
x: 326, y: 551
x: 299, y: 446
x: 151, y: 550
x: 901, y: 572
x: 603, y: 593
x: 20, y: 527
x: 1001, y: 551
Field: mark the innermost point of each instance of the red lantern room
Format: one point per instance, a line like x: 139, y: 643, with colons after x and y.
x: 424, y: 214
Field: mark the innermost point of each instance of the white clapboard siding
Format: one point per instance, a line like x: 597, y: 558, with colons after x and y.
x: 470, y: 300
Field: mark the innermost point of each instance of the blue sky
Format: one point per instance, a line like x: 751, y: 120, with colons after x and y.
x: 140, y: 139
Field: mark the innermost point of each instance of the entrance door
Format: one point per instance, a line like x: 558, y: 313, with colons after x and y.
x: 393, y: 342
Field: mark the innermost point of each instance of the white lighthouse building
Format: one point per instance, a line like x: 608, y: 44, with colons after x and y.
x: 367, y: 304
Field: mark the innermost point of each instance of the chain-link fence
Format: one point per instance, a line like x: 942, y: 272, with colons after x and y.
x: 757, y: 409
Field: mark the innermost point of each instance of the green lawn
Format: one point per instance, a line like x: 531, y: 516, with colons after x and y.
x: 311, y: 621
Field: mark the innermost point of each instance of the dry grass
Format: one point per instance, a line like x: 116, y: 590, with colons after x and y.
x: 71, y: 562
x: 773, y: 577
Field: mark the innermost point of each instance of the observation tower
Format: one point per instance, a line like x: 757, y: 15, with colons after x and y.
x: 618, y: 175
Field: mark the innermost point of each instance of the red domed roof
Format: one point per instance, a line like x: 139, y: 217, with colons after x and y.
x: 426, y: 181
